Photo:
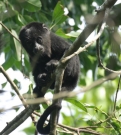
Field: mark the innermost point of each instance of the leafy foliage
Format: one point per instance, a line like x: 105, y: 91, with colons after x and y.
x: 94, y: 108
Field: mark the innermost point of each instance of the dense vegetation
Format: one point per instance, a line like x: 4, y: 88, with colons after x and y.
x: 96, y: 110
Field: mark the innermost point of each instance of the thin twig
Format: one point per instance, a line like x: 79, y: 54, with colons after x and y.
x: 81, y: 49
x: 117, y: 93
x: 106, y: 4
x: 98, y: 49
x: 15, y: 88
x: 81, y: 129
x: 86, y: 32
x: 12, y: 84
x: 74, y: 93
x: 61, y: 67
x: 9, y: 31
x: 25, y: 113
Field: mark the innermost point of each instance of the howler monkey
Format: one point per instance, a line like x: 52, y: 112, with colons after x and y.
x: 45, y: 49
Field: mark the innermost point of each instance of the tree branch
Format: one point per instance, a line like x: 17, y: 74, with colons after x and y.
x: 18, y: 120
x: 80, y: 39
x: 9, y: 31
x: 65, y: 94
x: 25, y: 113
x: 117, y: 93
x: 12, y: 84
x: 81, y: 49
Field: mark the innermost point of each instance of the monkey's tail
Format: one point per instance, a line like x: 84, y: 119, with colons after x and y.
x: 41, y: 121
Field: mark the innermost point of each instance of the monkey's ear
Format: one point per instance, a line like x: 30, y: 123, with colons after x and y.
x: 43, y: 25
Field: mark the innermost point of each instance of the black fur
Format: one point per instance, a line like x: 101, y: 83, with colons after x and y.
x: 45, y: 49
x: 43, y: 118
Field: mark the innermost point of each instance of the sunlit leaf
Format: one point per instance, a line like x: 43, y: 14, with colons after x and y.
x: 76, y: 103
x: 73, y: 34
x: 58, y: 11
x: 17, y: 45
x: 60, y: 32
x: 58, y: 14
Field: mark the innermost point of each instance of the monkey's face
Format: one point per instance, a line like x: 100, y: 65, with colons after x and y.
x: 35, y: 38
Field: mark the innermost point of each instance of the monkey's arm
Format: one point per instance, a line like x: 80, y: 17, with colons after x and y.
x: 51, y: 65
x: 44, y: 78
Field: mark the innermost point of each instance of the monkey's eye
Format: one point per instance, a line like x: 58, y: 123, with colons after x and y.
x: 39, y: 40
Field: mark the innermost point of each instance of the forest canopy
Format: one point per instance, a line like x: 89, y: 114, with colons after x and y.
x: 93, y: 28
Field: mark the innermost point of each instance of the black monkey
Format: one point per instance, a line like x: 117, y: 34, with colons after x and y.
x: 45, y: 49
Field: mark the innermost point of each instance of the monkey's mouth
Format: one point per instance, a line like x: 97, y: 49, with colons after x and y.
x: 38, y: 48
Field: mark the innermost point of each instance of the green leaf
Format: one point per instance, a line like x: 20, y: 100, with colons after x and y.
x: 17, y: 83
x: 60, y: 32
x: 58, y: 14
x: 61, y: 19
x: 4, y: 84
x: 17, y: 45
x: 58, y: 11
x: 27, y: 63
x: 68, y: 35
x: 30, y: 91
x: 8, y: 63
x: 30, y: 129
x: 76, y: 103
x: 116, y: 125
x: 82, y: 81
x: 32, y: 5
x: 44, y: 105
x: 17, y: 64
x: 36, y: 3
x: 73, y: 34
x: 25, y: 19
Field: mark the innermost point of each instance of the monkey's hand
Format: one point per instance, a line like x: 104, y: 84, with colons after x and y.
x: 37, y: 91
x: 41, y: 82
x: 41, y: 79
x: 51, y: 65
